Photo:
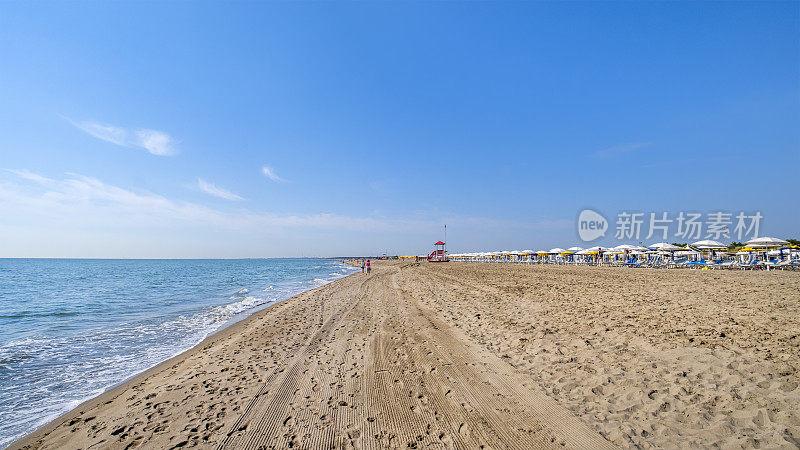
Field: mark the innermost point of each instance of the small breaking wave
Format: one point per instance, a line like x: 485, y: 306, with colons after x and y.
x: 92, y: 345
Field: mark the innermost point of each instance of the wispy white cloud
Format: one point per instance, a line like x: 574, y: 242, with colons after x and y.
x: 78, y: 196
x: 269, y: 172
x: 28, y: 175
x: 155, y: 142
x: 216, y: 191
x: 78, y: 215
x: 622, y: 149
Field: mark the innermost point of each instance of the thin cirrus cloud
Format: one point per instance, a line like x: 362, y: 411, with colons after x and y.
x: 216, y: 191
x: 35, y: 208
x: 622, y: 149
x: 90, y: 201
x: 28, y: 175
x: 155, y: 142
x: 78, y: 197
x: 269, y: 172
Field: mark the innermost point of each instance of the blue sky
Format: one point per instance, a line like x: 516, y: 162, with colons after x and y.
x: 144, y: 129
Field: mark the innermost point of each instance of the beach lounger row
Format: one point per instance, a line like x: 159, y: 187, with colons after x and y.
x: 659, y: 262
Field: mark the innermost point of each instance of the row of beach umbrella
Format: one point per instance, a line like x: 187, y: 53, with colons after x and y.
x: 757, y: 244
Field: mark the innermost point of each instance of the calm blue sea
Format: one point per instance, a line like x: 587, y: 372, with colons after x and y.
x: 71, y: 329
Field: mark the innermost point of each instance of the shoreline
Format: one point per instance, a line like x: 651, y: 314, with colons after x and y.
x: 462, y: 355
x: 47, y: 426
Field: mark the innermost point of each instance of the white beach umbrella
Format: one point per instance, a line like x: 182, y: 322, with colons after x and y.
x: 765, y: 242
x: 555, y: 251
x: 628, y: 247
x: 575, y: 249
x: 593, y: 249
x: 665, y: 247
x: 596, y: 249
x: 708, y: 244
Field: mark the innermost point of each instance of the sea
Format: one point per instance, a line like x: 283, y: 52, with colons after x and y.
x: 71, y: 329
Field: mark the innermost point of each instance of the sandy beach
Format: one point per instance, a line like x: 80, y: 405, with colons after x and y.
x: 465, y: 355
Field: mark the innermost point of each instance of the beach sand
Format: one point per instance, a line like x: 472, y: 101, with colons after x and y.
x: 467, y: 355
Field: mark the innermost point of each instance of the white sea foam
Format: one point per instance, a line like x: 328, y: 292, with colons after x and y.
x: 44, y: 376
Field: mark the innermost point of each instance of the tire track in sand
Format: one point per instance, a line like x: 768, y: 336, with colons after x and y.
x: 383, y: 372
x: 267, y: 410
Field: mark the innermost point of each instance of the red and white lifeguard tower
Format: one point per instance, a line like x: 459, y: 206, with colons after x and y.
x: 438, y: 255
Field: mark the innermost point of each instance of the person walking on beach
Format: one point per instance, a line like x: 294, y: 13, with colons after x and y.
x: 362, y: 266
x: 368, y: 268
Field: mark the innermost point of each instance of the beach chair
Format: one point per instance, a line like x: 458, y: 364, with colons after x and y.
x: 655, y: 262
x: 696, y: 264
x: 768, y: 264
x: 676, y: 263
x: 747, y: 264
x: 715, y: 264
x: 633, y: 262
